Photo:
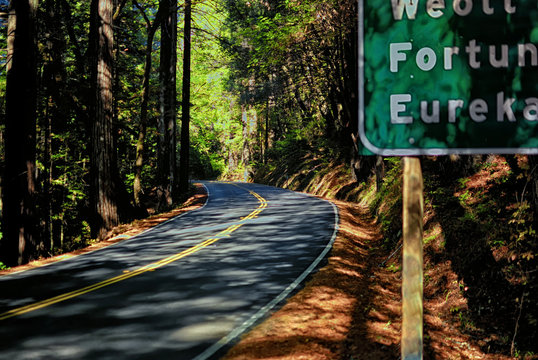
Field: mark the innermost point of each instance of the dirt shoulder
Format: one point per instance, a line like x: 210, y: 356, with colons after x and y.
x: 324, y: 320
x: 350, y: 309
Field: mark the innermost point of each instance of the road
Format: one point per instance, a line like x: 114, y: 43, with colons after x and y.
x: 183, y: 290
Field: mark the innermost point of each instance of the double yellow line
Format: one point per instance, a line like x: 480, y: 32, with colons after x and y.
x: 129, y: 274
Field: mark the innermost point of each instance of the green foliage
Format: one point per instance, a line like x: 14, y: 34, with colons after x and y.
x: 523, y: 237
x: 428, y: 239
x: 388, y: 202
x: 291, y: 65
x: 215, y: 119
x: 394, y: 268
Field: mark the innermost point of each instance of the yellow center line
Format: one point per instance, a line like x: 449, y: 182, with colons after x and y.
x: 129, y: 274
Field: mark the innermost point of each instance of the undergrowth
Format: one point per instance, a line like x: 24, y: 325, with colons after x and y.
x: 483, y: 223
x: 479, y: 218
x: 387, y: 204
x: 488, y: 235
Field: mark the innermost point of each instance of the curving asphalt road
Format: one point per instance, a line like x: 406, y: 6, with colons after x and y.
x: 183, y: 290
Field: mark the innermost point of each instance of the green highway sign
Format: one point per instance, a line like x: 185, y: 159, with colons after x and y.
x: 448, y: 76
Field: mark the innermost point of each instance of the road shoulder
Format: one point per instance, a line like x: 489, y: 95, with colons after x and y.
x: 122, y: 232
x: 321, y: 321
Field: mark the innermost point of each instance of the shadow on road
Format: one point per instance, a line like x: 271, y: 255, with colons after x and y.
x: 178, y: 310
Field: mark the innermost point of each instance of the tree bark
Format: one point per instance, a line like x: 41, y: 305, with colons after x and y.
x: 186, y: 103
x: 245, y: 153
x: 142, y: 127
x: 103, y: 152
x: 167, y: 121
x: 20, y: 231
x: 266, y: 133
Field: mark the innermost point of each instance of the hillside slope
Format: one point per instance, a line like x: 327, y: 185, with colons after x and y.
x: 480, y: 288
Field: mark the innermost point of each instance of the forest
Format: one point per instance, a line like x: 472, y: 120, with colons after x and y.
x: 109, y: 108
x: 119, y: 107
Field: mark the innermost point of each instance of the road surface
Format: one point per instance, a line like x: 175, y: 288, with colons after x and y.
x: 183, y: 290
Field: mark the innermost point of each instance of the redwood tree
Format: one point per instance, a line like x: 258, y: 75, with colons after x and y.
x: 167, y: 121
x: 151, y: 29
x: 103, y: 151
x: 20, y: 232
x: 185, y: 106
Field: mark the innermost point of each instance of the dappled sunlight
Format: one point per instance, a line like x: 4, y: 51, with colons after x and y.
x: 311, y: 326
x: 367, y: 235
x: 375, y: 333
x: 348, y: 272
x: 484, y: 180
x: 187, y: 305
x: 463, y: 315
x: 464, y: 289
x: 331, y: 317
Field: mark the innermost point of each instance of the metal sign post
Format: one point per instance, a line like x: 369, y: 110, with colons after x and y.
x: 412, y: 314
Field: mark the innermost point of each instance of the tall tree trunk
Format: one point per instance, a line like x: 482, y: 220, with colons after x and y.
x: 245, y: 154
x: 20, y: 231
x: 266, y: 135
x: 142, y: 127
x: 185, y: 105
x: 103, y: 152
x: 167, y: 125
x: 351, y: 99
x: 47, y: 181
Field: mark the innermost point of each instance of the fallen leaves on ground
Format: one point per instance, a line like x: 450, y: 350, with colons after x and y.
x: 351, y: 308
